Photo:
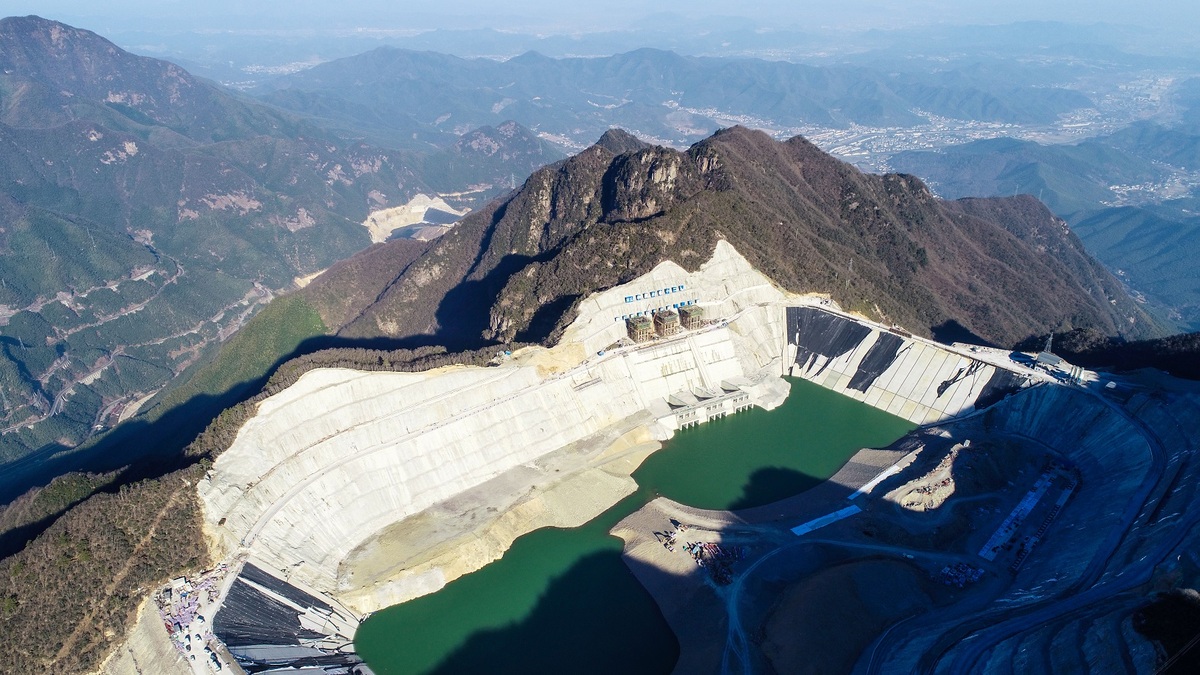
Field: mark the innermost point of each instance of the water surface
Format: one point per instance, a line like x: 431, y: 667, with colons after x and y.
x: 562, y: 600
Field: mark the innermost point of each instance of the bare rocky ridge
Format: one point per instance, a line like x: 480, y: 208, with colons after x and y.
x: 1000, y: 269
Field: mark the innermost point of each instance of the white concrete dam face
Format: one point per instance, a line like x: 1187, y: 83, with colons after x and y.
x: 922, y: 381
x: 341, y: 455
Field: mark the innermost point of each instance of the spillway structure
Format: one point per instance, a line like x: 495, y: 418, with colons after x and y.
x: 272, y: 625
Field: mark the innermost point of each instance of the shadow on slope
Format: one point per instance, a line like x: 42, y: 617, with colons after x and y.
x: 1173, y: 620
x: 951, y: 331
x: 464, y: 315
x: 146, y: 443
x: 137, y: 450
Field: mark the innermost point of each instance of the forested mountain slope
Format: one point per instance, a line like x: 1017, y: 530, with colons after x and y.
x: 146, y: 214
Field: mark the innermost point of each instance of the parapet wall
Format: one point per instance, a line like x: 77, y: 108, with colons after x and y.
x: 916, y: 379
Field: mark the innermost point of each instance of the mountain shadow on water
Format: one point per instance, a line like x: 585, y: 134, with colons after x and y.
x: 597, y: 617
x: 772, y: 484
x: 581, y: 607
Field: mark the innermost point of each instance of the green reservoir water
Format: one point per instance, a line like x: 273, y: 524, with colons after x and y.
x: 562, y: 601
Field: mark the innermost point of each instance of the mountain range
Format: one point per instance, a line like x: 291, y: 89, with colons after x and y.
x: 1000, y: 269
x: 149, y: 212
x: 994, y: 269
x: 984, y: 270
x: 401, y: 98
x: 146, y: 214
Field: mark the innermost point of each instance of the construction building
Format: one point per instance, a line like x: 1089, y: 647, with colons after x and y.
x: 666, y: 323
x: 640, y: 328
x: 1048, y: 358
x: 691, y: 316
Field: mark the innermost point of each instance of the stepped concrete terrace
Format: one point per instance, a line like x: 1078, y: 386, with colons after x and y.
x: 920, y: 380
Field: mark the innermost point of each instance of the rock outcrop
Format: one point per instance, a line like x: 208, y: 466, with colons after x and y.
x: 1000, y: 269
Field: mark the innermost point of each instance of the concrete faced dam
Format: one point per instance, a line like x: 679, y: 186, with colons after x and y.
x: 341, y: 455
x: 338, y: 457
x: 919, y: 380
x: 317, y: 483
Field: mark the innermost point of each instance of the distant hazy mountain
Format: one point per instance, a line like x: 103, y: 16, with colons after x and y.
x: 1186, y: 95
x: 1123, y: 194
x: 504, y: 155
x: 999, y: 268
x: 241, y: 56
x: 145, y: 214
x: 394, y: 94
x: 1125, y: 166
x: 1177, y: 147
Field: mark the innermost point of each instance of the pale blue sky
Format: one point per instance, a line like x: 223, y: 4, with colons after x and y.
x: 568, y: 16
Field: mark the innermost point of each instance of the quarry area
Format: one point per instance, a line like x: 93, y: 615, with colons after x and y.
x: 1029, y: 503
x: 422, y: 217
